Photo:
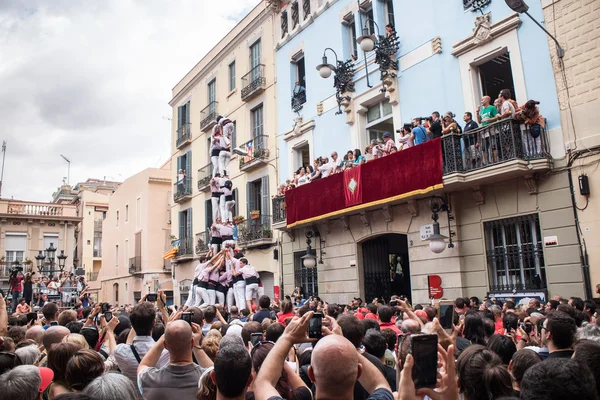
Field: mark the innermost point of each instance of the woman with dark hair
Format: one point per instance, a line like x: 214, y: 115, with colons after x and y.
x: 28, y: 287
x: 481, y: 375
x: 358, y: 158
x: 58, y: 358
x: 290, y: 386
x: 83, y: 368
x: 287, y: 311
x: 474, y: 330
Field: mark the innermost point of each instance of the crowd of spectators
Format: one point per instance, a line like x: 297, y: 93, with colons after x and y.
x: 484, y: 147
x: 495, y: 349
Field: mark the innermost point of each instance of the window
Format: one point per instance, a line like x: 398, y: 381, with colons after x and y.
x: 305, y: 278
x: 138, y: 213
x: 257, y: 196
x: 300, y: 74
x: 184, y: 163
x: 496, y: 75
x: 183, y: 118
x: 127, y: 213
x: 514, y: 253
x: 117, y: 255
x: 255, y: 56
x: 126, y: 253
x: 368, y: 20
x: 50, y: 239
x: 350, y: 35
x: 15, y: 245
x: 257, y: 121
x: 389, y: 13
x: 232, y: 76
x: 97, y: 244
x: 233, y: 136
x: 117, y: 217
x: 212, y: 91
x: 186, y: 232
x: 379, y: 120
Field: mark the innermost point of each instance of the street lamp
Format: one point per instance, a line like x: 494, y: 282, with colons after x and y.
x: 344, y: 76
x: 437, y: 241
x: 367, y: 41
x: 40, y: 262
x: 62, y: 260
x: 309, y: 260
x: 521, y: 7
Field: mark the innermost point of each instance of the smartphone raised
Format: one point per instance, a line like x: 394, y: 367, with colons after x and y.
x: 105, y: 308
x: 32, y: 316
x: 256, y: 338
x: 446, y: 314
x: 314, y: 326
x: 187, y: 317
x: 54, y: 323
x: 424, y: 349
x: 151, y: 297
x: 393, y: 303
x: 108, y: 316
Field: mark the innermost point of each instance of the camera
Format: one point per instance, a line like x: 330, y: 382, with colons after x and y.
x: 16, y: 270
x: 425, y: 118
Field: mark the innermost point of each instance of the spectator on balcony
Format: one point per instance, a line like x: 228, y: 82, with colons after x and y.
x: 215, y: 196
x: 368, y: 153
x: 325, y: 167
x: 508, y: 109
x: 316, y: 174
x: 449, y: 124
x: 299, y: 88
x: 358, y: 158
x: 469, y: 123
x: 530, y: 115
x: 301, y: 177
x: 435, y: 126
x: 420, y: 134
x: 486, y: 113
x: 334, y: 163
x: 407, y: 138
x: 388, y: 143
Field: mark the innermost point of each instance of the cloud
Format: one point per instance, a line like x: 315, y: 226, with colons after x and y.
x: 91, y: 80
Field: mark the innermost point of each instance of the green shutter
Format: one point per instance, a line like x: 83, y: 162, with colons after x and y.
x: 189, y: 231
x: 208, y: 213
x: 236, y: 205
x: 264, y: 199
x: 250, y: 199
x: 179, y: 117
x: 187, y: 112
x: 188, y: 168
x: 181, y: 225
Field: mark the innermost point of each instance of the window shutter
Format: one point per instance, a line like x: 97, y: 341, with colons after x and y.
x: 236, y: 205
x: 178, y: 164
x: 249, y: 198
x: 190, y: 231
x: 233, y: 136
x: 208, y: 213
x: 265, y: 198
x: 188, y: 163
x: 187, y: 112
x: 181, y: 225
x: 179, y: 117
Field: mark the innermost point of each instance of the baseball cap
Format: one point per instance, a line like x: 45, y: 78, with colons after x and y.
x: 387, y: 134
x: 47, y: 376
x: 422, y: 314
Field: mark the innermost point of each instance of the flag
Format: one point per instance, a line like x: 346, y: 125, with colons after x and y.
x: 352, y: 186
x: 173, y: 252
x: 250, y: 151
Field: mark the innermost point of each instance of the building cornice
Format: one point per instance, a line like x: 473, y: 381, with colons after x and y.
x: 484, y: 32
x: 227, y: 49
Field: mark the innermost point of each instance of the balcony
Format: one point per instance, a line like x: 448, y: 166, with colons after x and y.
x: 204, y: 177
x: 202, y: 244
x: 182, y: 190
x: 208, y: 116
x: 186, y: 249
x: 279, y: 214
x: 298, y: 100
x: 255, y: 232
x: 98, y: 225
x: 184, y: 135
x: 254, y: 82
x: 167, y: 267
x: 258, y: 153
x: 92, y: 276
x: 135, y: 265
x: 97, y: 253
x: 40, y: 211
x: 497, y: 152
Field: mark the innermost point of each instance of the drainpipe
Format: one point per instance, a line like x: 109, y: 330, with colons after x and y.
x: 583, y: 254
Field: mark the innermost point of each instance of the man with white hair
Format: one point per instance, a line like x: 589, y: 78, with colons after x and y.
x: 331, y: 351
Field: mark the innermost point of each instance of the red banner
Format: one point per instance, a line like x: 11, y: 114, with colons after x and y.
x: 353, y: 186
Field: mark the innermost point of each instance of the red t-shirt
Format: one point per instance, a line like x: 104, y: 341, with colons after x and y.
x: 16, y: 284
x: 282, y: 317
x: 499, y: 327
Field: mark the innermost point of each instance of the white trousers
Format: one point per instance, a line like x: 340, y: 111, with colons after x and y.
x: 191, y: 300
x: 216, y: 210
x: 220, y: 298
x: 215, y: 248
x: 224, y: 158
x: 212, y: 296
x: 230, y: 297
x: 239, y: 291
x: 215, y: 164
x: 201, y: 296
x: 252, y: 291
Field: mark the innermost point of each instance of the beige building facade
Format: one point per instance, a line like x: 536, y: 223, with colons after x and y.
x: 26, y: 228
x: 575, y: 25
x: 136, y: 233
x: 236, y: 79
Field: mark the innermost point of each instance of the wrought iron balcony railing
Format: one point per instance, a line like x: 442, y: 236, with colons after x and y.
x: 253, y: 82
x: 255, y: 231
x: 279, y: 213
x: 258, y: 152
x: 135, y: 265
x: 97, y: 253
x: 182, y: 189
x: 186, y: 247
x: 184, y: 135
x: 208, y: 116
x: 496, y: 143
x: 204, y: 177
x: 298, y: 100
x: 202, y: 242
x: 92, y: 276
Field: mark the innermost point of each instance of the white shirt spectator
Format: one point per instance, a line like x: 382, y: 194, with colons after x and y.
x: 127, y: 362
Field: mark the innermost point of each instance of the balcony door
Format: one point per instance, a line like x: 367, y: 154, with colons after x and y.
x: 212, y: 96
x: 496, y: 75
x: 257, y: 128
x: 255, y: 56
x: 257, y: 197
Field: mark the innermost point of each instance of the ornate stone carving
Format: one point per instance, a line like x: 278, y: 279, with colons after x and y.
x: 320, y: 109
x: 388, y: 215
x: 436, y: 45
x: 413, y: 208
x: 364, y: 219
x: 478, y: 195
x: 348, y: 103
x: 291, y: 235
x: 390, y: 83
x: 483, y: 29
x: 344, y: 223
x: 531, y: 183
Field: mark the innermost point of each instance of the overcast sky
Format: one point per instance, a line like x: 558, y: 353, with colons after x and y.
x: 91, y: 80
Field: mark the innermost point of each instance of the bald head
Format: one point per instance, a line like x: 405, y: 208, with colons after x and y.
x: 178, y: 339
x: 410, y: 326
x: 486, y: 100
x: 35, y: 333
x: 54, y: 334
x: 331, y: 352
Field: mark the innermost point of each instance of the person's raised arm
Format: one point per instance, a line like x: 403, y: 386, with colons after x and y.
x: 409, y: 312
x: 110, y: 334
x: 270, y: 371
x: 203, y: 359
x: 90, y: 319
x: 130, y: 336
x: 152, y: 356
x: 3, y: 317
x: 371, y: 378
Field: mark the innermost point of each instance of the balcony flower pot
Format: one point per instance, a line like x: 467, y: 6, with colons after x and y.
x: 255, y: 214
x: 238, y: 219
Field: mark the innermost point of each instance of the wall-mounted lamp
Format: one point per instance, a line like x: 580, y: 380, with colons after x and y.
x: 309, y: 260
x: 344, y: 76
x: 437, y: 241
